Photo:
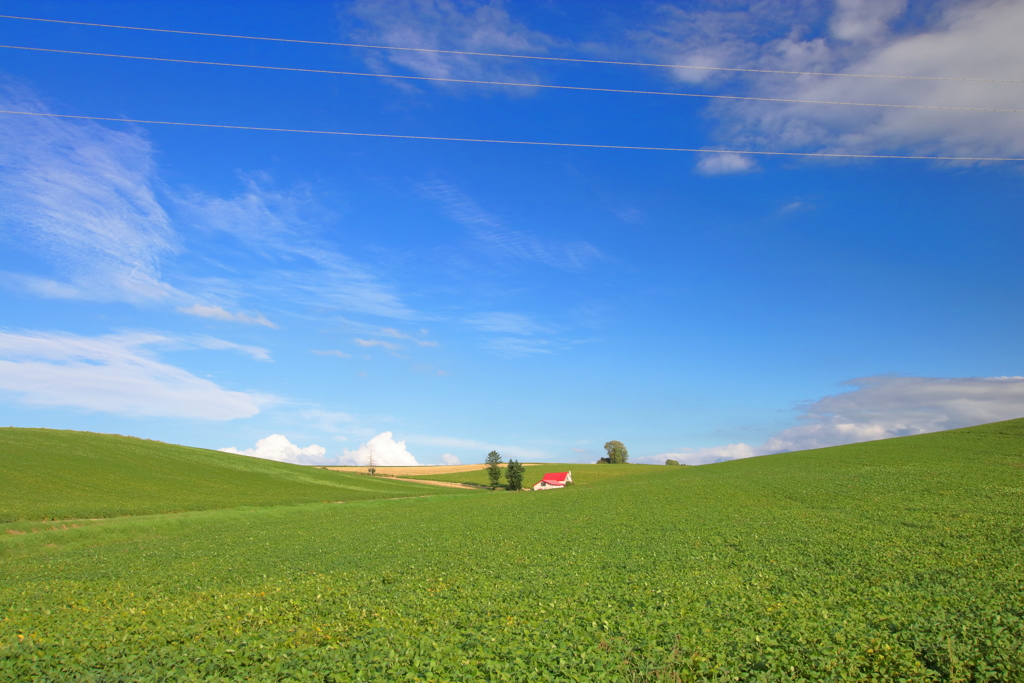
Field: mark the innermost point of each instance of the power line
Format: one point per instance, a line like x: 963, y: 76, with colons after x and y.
x: 509, y: 142
x: 495, y: 54
x: 505, y: 83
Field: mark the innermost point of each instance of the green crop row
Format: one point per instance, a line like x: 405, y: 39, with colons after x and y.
x: 896, y: 561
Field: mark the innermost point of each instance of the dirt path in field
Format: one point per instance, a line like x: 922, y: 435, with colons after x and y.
x: 415, y: 470
x: 450, y: 484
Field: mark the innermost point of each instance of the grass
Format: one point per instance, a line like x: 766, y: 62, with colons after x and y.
x: 892, y: 560
x: 54, y: 474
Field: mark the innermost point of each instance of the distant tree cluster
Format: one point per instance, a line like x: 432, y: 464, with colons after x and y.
x: 514, y: 472
x: 671, y: 462
x: 617, y: 453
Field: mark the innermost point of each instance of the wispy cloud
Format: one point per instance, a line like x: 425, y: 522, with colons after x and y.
x: 392, y: 332
x: 502, y: 242
x: 443, y: 24
x: 509, y: 323
x: 332, y: 352
x: 113, y: 374
x: 82, y: 195
x: 881, y: 408
x: 218, y: 313
x: 367, y: 343
x: 281, y: 227
x: 203, y: 342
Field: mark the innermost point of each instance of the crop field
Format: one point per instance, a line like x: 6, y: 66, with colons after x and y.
x: 54, y: 474
x: 897, y: 560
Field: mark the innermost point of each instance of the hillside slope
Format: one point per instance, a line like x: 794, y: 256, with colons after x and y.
x: 58, y: 474
x: 894, y: 560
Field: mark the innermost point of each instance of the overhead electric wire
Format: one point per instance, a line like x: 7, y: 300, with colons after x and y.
x: 509, y: 142
x: 508, y: 56
x: 509, y: 84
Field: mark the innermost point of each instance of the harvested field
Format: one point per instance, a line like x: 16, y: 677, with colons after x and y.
x: 418, y: 470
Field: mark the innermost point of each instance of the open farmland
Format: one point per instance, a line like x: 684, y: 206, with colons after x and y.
x: 581, y: 474
x: 892, y: 560
x: 56, y: 474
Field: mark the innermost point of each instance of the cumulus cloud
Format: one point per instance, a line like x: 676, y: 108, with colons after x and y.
x: 82, y: 195
x: 449, y: 459
x: 721, y: 164
x: 278, y: 447
x: 114, y: 374
x: 218, y: 313
x: 381, y: 450
x: 881, y: 408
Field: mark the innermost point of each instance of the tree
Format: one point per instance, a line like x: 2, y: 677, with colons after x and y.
x: 514, y: 473
x: 493, y: 469
x: 671, y: 462
x: 617, y: 453
x: 372, y: 469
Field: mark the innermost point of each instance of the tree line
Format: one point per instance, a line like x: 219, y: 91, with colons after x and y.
x: 514, y: 472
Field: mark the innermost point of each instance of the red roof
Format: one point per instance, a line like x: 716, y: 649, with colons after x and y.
x: 556, y: 476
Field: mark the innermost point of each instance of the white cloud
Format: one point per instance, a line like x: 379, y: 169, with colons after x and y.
x: 279, y: 227
x: 449, y: 459
x: 955, y: 40
x: 367, y: 343
x: 254, y: 352
x: 83, y: 196
x: 882, y: 408
x: 509, y: 323
x: 218, y: 313
x: 504, y: 243
x: 332, y: 352
x: 278, y: 447
x: 864, y: 21
x: 392, y: 332
x: 703, y: 456
x: 515, y: 346
x: 114, y: 374
x: 721, y: 164
x: 381, y: 450
x: 443, y: 24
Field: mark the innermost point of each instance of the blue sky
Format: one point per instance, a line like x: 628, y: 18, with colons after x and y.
x: 429, y: 301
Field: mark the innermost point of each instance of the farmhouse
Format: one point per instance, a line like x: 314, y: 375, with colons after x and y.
x: 554, y: 480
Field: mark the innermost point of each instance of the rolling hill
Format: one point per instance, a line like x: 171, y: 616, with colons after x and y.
x: 895, y: 560
x: 55, y: 474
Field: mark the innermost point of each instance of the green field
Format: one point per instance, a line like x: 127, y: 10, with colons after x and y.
x: 54, y: 474
x: 899, y: 560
